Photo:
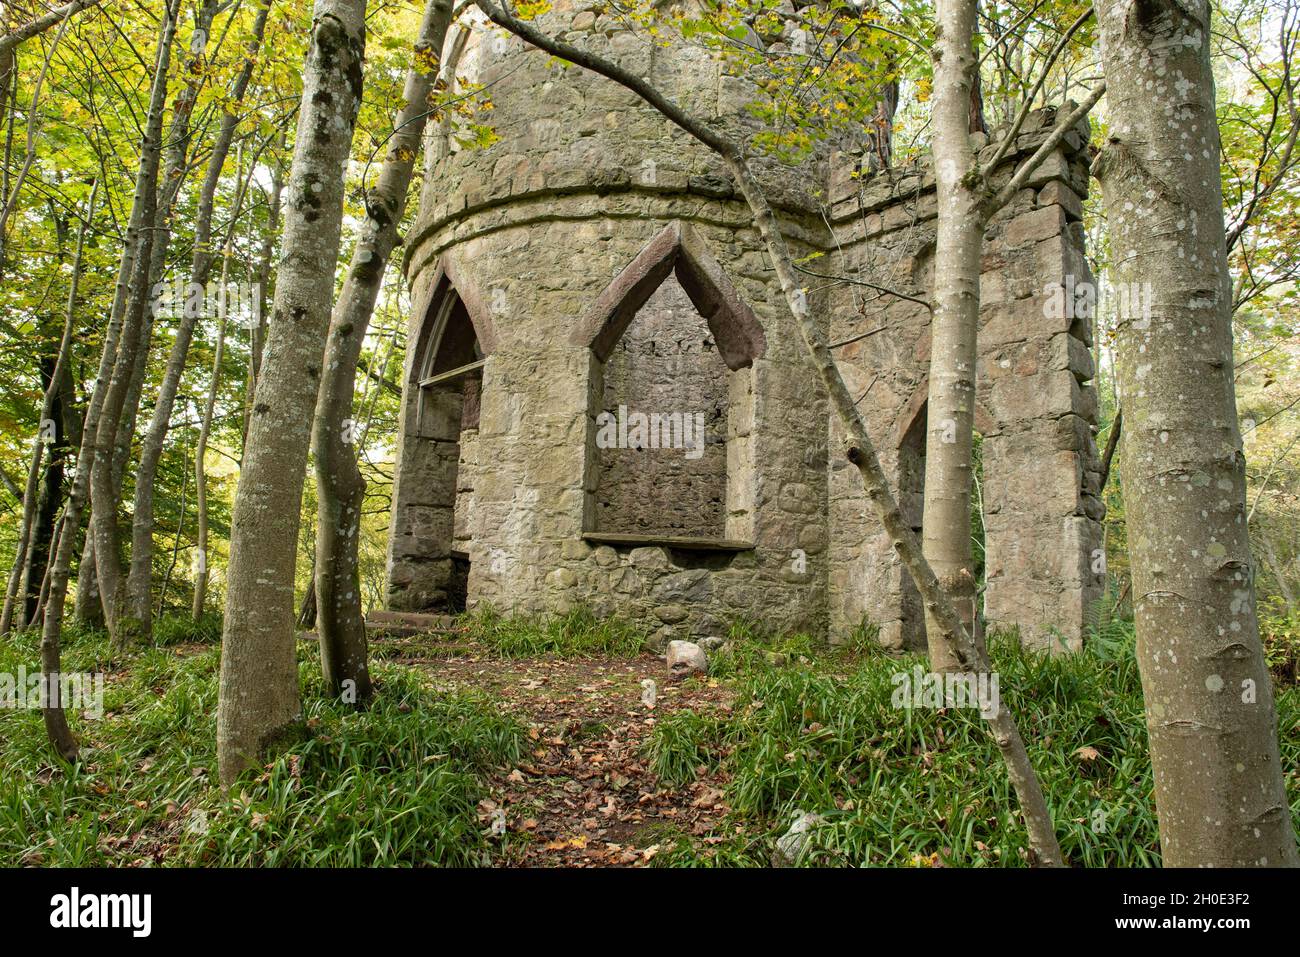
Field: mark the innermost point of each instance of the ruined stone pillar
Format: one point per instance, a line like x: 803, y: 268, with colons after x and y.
x: 1036, y: 406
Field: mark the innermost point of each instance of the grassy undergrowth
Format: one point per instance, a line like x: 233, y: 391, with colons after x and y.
x: 397, y: 785
x: 578, y: 634
x: 902, y: 786
x: 809, y: 731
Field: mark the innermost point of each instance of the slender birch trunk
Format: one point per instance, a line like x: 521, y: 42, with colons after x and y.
x: 258, y: 698
x: 950, y: 405
x: 340, y: 485
x: 139, y: 585
x: 1219, y: 790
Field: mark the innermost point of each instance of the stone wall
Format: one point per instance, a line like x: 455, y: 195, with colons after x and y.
x: 665, y: 365
x: 587, y: 189
x: 593, y: 247
x: 1036, y: 407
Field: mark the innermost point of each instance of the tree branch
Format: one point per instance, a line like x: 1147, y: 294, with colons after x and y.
x: 1026, y: 169
x: 41, y: 24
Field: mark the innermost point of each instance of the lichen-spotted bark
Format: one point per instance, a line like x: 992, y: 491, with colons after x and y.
x: 1210, y: 714
x: 259, y: 675
x: 341, y: 487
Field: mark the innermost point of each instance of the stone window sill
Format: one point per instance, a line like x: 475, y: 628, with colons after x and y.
x: 682, y: 542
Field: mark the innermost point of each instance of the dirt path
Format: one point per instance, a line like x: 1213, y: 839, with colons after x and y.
x: 583, y: 795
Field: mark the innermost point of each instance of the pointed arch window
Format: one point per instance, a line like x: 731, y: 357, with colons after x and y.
x: 671, y: 402
x: 449, y: 377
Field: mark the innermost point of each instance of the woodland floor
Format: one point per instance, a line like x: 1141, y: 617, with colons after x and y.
x: 584, y: 795
x: 512, y: 743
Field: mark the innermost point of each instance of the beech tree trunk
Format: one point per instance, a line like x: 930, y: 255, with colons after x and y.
x: 49, y: 410
x: 258, y: 697
x: 950, y: 405
x: 141, y: 575
x: 87, y: 608
x: 56, y: 722
x: 105, y: 471
x: 340, y: 485
x: 1219, y: 788
x: 257, y: 330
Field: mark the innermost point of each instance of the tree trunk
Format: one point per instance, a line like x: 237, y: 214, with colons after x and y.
x: 1112, y: 444
x: 1219, y: 790
x: 176, y: 542
x: 257, y: 330
x: 141, y: 575
x: 38, y: 616
x: 975, y: 121
x: 49, y: 409
x: 307, y: 613
x: 87, y: 608
x: 42, y: 23
x: 105, y: 477
x: 880, y: 134
x: 340, y: 485
x: 205, y: 430
x: 58, y: 427
x: 259, y: 676
x: 950, y: 405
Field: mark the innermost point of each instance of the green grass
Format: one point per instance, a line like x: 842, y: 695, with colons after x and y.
x: 683, y: 741
x: 396, y: 785
x: 175, y: 629
x: 811, y: 730
x: 579, y: 634
x: 917, y: 786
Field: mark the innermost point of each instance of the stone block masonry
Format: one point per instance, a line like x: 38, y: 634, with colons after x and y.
x: 1036, y: 407
x: 595, y: 258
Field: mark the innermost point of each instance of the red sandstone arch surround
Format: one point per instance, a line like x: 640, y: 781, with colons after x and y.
x: 449, y: 276
x: 915, y: 409
x: 737, y: 335
x: 678, y: 248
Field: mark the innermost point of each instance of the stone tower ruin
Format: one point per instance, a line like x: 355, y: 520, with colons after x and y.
x: 607, y: 404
